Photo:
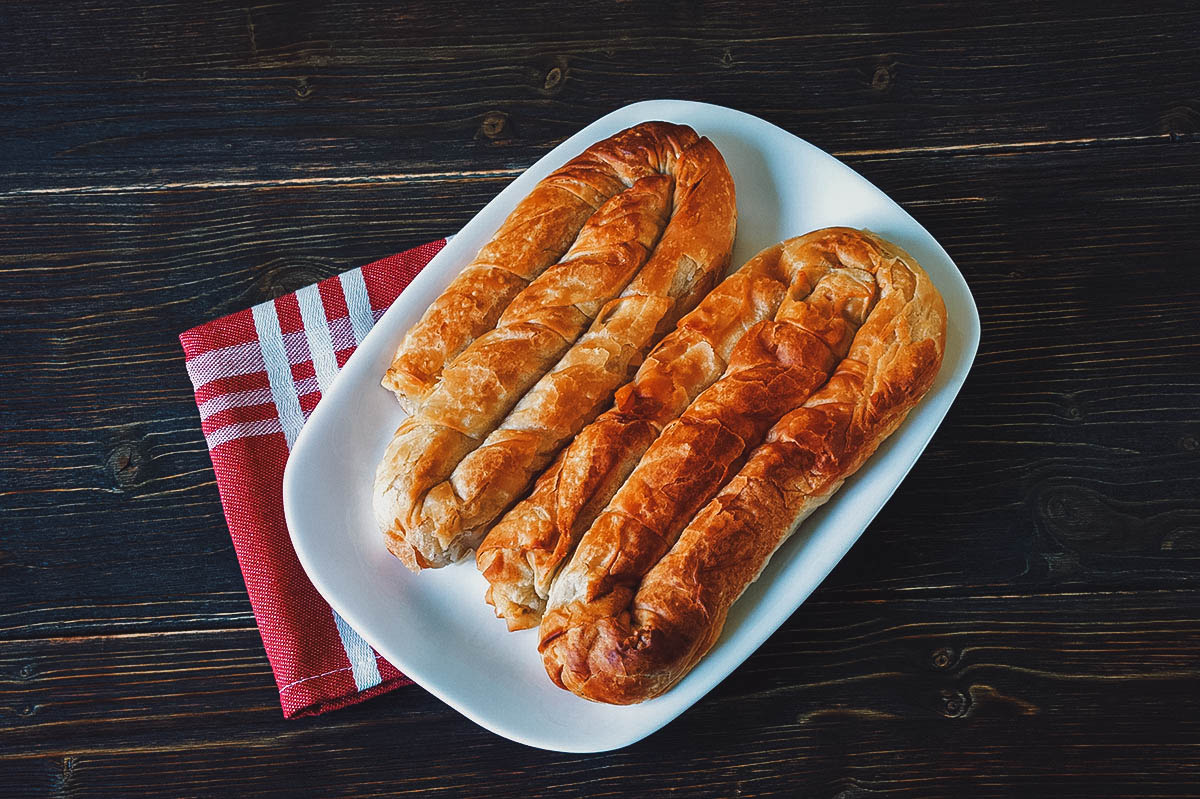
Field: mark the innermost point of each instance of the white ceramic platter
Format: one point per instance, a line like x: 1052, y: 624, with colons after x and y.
x: 435, y: 626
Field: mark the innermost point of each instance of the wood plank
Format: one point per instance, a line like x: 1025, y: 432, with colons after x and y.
x: 932, y: 696
x: 1057, y: 470
x: 276, y: 92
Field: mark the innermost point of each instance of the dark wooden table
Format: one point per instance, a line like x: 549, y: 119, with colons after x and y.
x: 1022, y: 617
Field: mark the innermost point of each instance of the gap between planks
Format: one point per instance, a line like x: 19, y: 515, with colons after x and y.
x: 1003, y: 148
x: 845, y: 597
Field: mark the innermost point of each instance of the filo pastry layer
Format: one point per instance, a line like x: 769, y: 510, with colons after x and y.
x: 648, y: 589
x: 487, y: 379
x: 534, y: 236
x: 523, y: 551
x: 463, y: 457
x: 690, y: 257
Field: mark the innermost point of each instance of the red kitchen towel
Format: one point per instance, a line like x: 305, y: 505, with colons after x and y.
x: 258, y: 374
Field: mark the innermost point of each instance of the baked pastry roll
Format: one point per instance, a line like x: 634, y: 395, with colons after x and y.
x: 807, y: 397
x: 536, y: 235
x: 504, y: 405
x: 522, y: 553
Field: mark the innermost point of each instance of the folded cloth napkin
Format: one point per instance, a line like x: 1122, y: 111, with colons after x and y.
x: 258, y: 374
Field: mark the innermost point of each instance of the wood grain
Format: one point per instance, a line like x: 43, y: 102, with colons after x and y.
x: 1020, y: 619
x: 1002, y: 686
x: 338, y: 91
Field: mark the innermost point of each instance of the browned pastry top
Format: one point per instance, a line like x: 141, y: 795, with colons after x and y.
x: 529, y: 343
x: 807, y: 397
x: 536, y: 234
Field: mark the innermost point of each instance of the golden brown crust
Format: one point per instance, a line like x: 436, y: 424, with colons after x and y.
x: 692, y: 255
x: 494, y: 372
x: 534, y: 236
x: 523, y: 551
x: 647, y: 592
x: 411, y: 501
x: 437, y: 505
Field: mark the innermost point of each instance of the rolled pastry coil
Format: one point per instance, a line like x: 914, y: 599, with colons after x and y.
x: 649, y: 586
x: 641, y: 261
x: 535, y: 235
x: 522, y: 552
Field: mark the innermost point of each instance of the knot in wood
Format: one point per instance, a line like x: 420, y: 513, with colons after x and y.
x: 1188, y: 443
x: 882, y: 79
x: 27, y: 671
x: 303, y: 89
x: 550, y: 74
x: 942, y: 658
x: 850, y: 793
x: 1179, y: 121
x: 955, y: 704
x: 1082, y: 520
x: 1070, y: 507
x: 126, y: 463
x: 284, y: 278
x: 494, y: 124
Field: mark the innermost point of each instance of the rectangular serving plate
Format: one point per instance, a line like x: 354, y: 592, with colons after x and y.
x: 435, y: 626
